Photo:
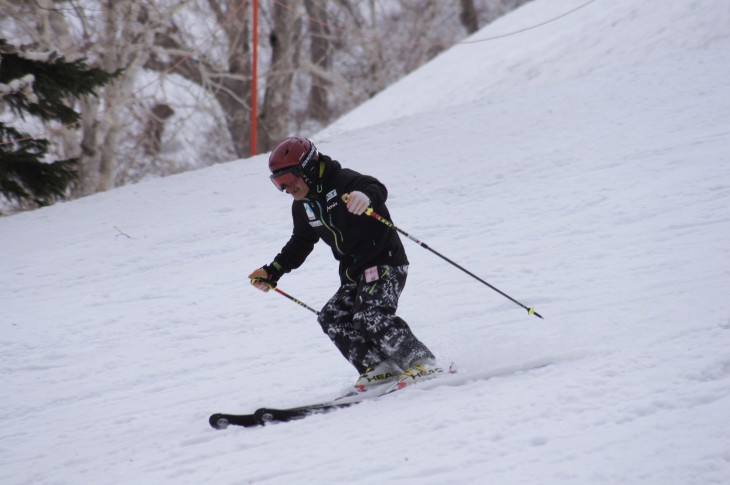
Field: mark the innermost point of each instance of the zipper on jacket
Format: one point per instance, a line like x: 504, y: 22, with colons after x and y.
x: 330, y: 227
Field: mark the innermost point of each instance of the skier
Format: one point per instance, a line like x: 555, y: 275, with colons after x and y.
x: 329, y: 204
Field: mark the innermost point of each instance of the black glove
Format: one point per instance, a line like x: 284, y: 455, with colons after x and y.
x: 274, y: 270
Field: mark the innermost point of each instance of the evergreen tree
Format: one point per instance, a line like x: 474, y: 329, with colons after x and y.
x: 41, y: 85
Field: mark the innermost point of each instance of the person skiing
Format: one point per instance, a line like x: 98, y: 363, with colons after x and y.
x: 329, y: 204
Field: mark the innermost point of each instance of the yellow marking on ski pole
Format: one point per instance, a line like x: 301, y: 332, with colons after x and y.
x: 531, y: 311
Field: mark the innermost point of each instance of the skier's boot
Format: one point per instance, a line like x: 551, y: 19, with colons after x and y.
x: 421, y: 370
x: 382, y: 373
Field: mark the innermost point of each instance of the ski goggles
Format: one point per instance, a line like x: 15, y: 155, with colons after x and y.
x: 286, y: 178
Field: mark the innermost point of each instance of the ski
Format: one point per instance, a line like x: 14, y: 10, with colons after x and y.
x: 222, y: 421
x: 263, y: 416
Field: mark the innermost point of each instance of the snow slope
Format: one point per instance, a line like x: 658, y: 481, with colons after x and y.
x: 581, y: 167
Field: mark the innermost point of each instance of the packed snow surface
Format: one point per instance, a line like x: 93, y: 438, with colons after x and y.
x: 581, y: 167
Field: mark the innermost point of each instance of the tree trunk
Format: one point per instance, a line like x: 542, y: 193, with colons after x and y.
x: 320, y: 56
x: 275, y: 113
x: 234, y: 94
x: 229, y: 84
x: 468, y: 16
x: 90, y: 157
x: 154, y: 128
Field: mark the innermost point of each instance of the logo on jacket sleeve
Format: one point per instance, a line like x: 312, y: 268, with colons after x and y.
x: 331, y: 194
x: 310, y: 212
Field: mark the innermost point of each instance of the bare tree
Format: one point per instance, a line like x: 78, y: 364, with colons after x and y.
x: 320, y: 57
x: 187, y: 64
x: 226, y: 74
x: 284, y: 41
x: 112, y: 39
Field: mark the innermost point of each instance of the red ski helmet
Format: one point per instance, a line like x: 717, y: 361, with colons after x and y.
x: 291, y: 160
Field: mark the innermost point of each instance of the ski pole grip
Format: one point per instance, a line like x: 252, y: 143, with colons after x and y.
x: 267, y: 282
x: 368, y: 211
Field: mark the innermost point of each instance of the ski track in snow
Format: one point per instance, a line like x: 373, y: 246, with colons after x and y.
x: 581, y: 168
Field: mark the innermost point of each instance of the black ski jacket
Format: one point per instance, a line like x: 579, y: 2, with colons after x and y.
x: 357, y: 242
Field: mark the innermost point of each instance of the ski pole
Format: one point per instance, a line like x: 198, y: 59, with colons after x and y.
x: 369, y: 211
x: 272, y: 286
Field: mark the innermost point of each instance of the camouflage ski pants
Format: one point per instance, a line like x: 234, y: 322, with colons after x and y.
x: 360, y: 319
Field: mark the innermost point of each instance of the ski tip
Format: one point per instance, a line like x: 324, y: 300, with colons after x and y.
x: 218, y: 421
